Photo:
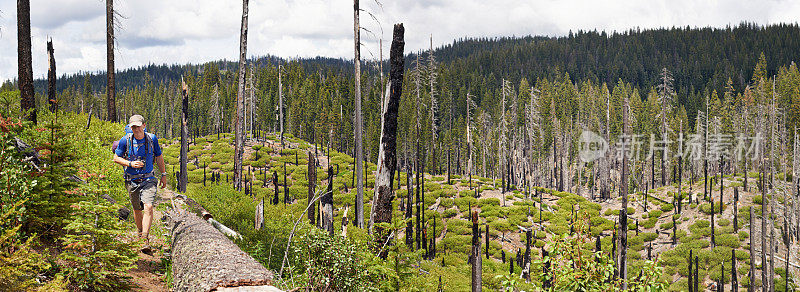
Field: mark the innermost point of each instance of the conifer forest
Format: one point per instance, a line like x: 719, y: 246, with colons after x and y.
x: 645, y: 159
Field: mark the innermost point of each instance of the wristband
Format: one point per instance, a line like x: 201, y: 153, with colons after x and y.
x: 129, y: 163
x: 163, y: 174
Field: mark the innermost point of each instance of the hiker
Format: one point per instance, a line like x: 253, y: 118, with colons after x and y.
x: 137, y: 151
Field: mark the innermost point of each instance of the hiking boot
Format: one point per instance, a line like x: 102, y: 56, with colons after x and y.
x: 146, y: 249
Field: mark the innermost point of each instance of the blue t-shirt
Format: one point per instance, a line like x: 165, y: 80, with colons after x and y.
x: 139, y: 150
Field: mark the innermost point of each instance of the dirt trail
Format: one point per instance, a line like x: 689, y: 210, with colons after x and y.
x: 149, y: 272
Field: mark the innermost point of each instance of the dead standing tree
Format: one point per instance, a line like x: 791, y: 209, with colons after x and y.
x: 358, y: 147
x: 312, y: 183
x: 326, y: 205
x: 387, y: 155
x: 433, y: 107
x: 24, y: 60
x: 623, y: 192
x: 183, y: 176
x: 665, y: 97
x: 475, y: 255
x: 239, y: 151
x: 111, y: 94
x: 51, y: 77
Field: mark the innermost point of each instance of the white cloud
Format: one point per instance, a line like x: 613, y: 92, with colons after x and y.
x: 194, y: 31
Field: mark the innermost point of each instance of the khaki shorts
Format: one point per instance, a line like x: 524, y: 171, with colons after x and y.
x: 142, y: 193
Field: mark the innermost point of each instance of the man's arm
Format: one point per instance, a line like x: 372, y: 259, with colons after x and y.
x: 121, y: 161
x: 160, y: 162
x: 161, y: 169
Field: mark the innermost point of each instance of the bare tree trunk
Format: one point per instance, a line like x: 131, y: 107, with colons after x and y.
x: 475, y: 255
x: 387, y: 156
x: 764, y: 218
x: 751, y: 287
x: 239, y: 151
x: 359, y: 150
x: 51, y: 77
x: 623, y: 212
x: 312, y: 185
x: 111, y: 95
x: 327, y: 204
x: 409, y: 212
x: 183, y: 177
x: 280, y: 102
x: 24, y: 60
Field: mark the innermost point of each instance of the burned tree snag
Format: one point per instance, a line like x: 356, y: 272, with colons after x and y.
x: 623, y: 213
x: 713, y: 241
x: 359, y: 157
x: 239, y: 128
x: 275, y: 182
x: 387, y: 153
x: 735, y: 209
x: 286, y: 198
x: 734, y: 277
x: 409, y: 210
x: 475, y: 255
x: 327, y: 204
x: 312, y: 182
x: 51, y: 77
x: 111, y: 94
x: 24, y: 60
x: 487, y: 241
x: 751, y: 288
x: 690, y: 272
x: 183, y: 175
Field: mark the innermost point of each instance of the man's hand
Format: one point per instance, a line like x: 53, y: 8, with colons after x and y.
x: 163, y: 182
x: 137, y: 164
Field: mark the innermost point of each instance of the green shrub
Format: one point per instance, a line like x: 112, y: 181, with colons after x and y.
x: 728, y: 240
x: 655, y: 213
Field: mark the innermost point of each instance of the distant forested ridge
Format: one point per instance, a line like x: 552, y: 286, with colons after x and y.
x: 699, y: 58
x: 570, y: 82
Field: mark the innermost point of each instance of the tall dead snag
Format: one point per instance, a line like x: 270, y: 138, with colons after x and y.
x: 409, y: 210
x: 312, y: 185
x: 183, y: 177
x: 111, y: 94
x: 326, y: 205
x: 713, y: 241
x: 690, y: 272
x: 239, y: 151
x: 359, y: 150
x: 623, y: 192
x: 51, y: 77
x: 734, y: 278
x: 280, y: 103
x: 475, y: 255
x: 764, y: 218
x: 24, y: 60
x: 736, y: 208
x: 387, y: 152
x: 259, y: 219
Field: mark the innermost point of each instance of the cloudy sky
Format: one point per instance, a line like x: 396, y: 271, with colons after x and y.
x: 194, y: 31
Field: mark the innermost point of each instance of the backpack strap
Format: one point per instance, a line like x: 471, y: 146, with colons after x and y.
x: 129, y: 146
x: 148, y: 137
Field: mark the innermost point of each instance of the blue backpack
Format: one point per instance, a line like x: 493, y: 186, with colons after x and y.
x: 127, y: 131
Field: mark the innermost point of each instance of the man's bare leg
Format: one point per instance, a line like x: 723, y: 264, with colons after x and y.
x: 137, y: 217
x: 147, y: 220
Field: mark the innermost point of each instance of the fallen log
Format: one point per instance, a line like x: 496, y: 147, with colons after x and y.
x: 204, y: 259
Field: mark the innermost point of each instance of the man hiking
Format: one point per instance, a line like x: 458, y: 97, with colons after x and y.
x: 136, y: 152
